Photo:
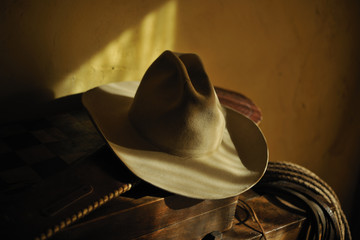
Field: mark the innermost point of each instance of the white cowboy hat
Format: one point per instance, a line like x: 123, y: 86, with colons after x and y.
x: 171, y: 131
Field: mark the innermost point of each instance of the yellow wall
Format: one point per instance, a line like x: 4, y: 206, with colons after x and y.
x: 298, y: 60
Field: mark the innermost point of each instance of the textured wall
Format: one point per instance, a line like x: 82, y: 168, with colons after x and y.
x: 298, y: 61
x: 68, y: 46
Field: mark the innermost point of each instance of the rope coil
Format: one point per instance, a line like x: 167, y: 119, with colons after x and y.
x: 304, y: 188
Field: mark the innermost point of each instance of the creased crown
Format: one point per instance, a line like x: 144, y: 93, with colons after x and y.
x: 176, y: 107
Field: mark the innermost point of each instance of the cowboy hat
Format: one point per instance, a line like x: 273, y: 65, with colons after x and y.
x: 171, y: 131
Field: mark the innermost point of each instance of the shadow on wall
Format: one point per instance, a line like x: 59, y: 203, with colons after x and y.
x: 52, y: 49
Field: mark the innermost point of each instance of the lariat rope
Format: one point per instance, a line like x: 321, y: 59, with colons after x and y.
x: 303, y: 187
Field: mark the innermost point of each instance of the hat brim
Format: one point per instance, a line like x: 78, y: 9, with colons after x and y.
x: 238, y: 164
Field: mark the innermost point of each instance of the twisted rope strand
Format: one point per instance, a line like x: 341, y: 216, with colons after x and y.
x: 302, y: 170
x: 314, y: 183
x: 335, y: 201
x: 297, y: 174
x: 82, y: 213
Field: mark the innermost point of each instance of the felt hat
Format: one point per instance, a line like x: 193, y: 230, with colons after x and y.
x: 171, y: 131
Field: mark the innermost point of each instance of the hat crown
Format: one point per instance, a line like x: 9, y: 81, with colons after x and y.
x: 176, y: 108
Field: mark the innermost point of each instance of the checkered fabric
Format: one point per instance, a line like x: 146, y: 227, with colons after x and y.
x: 34, y: 150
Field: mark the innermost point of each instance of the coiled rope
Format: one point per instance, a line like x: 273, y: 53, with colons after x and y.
x: 306, y: 190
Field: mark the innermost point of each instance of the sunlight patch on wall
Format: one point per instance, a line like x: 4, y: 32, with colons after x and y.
x: 127, y: 57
